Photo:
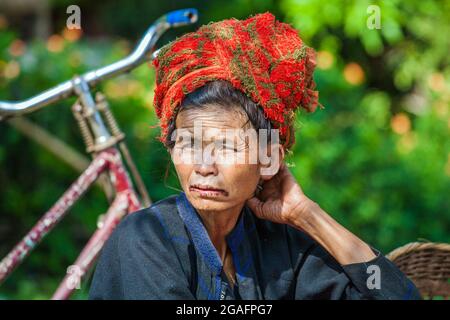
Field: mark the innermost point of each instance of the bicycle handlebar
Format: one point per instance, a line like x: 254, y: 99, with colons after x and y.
x: 141, y: 53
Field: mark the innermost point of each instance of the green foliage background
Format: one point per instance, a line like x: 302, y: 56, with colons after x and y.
x: 376, y: 158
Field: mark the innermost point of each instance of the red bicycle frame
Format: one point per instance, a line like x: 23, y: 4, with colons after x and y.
x: 104, y: 141
x: 125, y: 201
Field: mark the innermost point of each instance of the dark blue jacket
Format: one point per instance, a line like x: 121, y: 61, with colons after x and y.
x: 164, y: 252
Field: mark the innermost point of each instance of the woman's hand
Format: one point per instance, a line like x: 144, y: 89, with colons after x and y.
x: 281, y: 200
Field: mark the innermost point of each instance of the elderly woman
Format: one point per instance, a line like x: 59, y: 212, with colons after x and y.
x: 240, y: 229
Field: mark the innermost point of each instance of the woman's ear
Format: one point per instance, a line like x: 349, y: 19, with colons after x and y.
x: 271, y: 169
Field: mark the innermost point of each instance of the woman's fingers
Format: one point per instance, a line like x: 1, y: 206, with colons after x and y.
x: 289, y: 183
x: 256, y: 206
x: 278, y: 194
x: 270, y: 210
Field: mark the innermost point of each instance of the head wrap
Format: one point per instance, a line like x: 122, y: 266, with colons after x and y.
x: 262, y: 57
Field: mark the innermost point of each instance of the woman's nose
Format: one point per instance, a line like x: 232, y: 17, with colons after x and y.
x: 207, y: 165
x: 206, y: 169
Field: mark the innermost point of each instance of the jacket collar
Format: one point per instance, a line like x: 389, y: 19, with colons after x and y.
x: 237, y: 240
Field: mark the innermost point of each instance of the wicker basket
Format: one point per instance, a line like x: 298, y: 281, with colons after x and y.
x: 427, y: 264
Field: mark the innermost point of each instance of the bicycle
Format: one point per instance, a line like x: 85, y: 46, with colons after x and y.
x: 105, y: 142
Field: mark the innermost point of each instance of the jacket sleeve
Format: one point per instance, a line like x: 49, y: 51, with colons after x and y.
x: 379, y: 279
x: 139, y: 261
x: 320, y: 276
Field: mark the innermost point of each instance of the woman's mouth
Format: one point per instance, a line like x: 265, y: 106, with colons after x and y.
x: 207, y: 191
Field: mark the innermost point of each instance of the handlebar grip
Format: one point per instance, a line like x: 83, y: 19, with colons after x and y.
x: 183, y: 16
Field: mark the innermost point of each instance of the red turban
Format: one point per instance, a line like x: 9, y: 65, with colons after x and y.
x: 262, y: 57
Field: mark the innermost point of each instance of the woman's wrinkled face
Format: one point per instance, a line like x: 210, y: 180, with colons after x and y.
x: 212, y: 180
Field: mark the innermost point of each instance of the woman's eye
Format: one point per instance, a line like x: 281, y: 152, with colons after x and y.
x: 185, y: 144
x: 226, y: 147
x: 231, y: 149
